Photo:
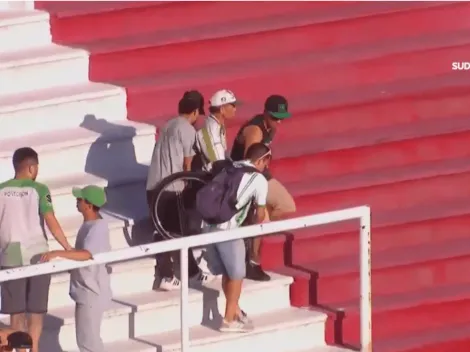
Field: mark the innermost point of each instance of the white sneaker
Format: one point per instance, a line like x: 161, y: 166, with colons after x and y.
x: 235, y: 326
x: 203, y: 278
x: 170, y: 284
x: 243, y: 317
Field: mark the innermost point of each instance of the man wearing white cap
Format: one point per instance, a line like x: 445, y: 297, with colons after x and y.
x: 211, y: 141
x: 211, y: 145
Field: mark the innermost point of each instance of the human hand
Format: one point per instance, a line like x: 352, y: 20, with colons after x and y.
x: 48, y: 256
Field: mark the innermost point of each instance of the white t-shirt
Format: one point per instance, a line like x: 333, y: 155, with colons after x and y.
x: 253, y: 188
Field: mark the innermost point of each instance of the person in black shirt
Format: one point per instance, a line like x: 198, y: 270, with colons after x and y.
x: 262, y: 128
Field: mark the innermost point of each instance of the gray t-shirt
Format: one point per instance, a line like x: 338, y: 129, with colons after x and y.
x: 175, y: 142
x: 92, y: 284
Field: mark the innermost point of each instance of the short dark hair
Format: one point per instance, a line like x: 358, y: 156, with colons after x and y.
x: 94, y: 207
x: 24, y: 157
x: 191, y: 100
x: 257, y: 150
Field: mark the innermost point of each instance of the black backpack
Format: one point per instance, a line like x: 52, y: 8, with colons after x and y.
x: 216, y: 201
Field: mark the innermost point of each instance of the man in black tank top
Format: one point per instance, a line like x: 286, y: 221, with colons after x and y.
x: 262, y: 128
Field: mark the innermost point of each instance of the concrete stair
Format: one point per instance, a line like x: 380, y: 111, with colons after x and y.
x: 380, y: 119
x: 30, y: 29
x: 134, y: 320
x: 80, y: 128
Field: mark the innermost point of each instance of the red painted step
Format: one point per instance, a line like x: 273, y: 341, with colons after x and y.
x: 128, y: 56
x: 421, y: 106
x: 307, y: 246
x: 365, y: 151
x: 75, y: 8
x: 399, y: 110
x: 296, y: 78
x: 402, y: 314
x: 388, y: 196
x: 170, y: 21
x: 453, y: 338
x: 173, y: 16
x: 381, y: 177
x: 334, y: 104
x: 416, y: 186
x: 393, y: 271
x: 416, y: 225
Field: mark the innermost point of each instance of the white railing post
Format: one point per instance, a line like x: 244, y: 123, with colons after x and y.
x: 365, y: 282
x: 184, y: 304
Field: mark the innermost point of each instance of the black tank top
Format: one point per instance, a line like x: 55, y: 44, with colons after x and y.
x: 238, y: 149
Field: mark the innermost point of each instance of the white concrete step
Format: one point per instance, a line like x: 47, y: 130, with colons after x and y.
x: 17, y: 5
x: 155, y: 312
x: 40, y: 68
x: 21, y: 30
x: 112, y: 150
x: 60, y: 108
x: 284, y: 330
x: 127, y: 278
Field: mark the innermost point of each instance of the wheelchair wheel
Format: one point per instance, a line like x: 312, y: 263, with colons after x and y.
x: 173, y: 204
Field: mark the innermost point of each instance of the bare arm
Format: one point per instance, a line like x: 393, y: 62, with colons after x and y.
x: 251, y: 135
x: 187, y: 163
x: 260, y: 198
x: 188, y: 141
x: 73, y: 254
x: 260, y: 214
x: 56, y: 230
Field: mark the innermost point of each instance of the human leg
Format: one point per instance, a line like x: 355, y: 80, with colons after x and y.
x: 253, y: 251
x: 164, y: 260
x: 13, y: 299
x: 280, y: 201
x: 175, y: 221
x: 232, y: 256
x: 37, y: 300
x: 280, y: 204
x: 88, y: 319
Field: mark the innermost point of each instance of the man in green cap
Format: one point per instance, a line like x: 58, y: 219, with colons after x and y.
x: 262, y: 128
x: 90, y: 286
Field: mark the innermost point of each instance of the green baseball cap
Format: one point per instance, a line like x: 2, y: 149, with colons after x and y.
x: 92, y: 194
x: 277, y: 107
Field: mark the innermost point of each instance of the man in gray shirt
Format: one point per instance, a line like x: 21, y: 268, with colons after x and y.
x: 173, y: 152
x: 90, y: 286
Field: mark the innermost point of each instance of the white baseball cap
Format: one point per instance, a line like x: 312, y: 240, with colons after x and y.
x: 222, y: 97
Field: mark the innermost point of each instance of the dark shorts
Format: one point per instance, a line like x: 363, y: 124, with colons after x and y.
x: 29, y: 295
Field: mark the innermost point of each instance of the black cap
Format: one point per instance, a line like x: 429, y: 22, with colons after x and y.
x: 20, y: 340
x: 277, y: 107
x: 192, y: 100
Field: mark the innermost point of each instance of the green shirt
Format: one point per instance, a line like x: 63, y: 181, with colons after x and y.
x: 22, y: 235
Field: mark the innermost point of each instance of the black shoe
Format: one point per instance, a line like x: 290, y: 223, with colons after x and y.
x: 254, y: 272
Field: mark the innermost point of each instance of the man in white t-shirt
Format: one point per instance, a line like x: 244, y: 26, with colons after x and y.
x: 228, y: 258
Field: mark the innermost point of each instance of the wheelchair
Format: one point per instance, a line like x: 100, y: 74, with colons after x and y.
x: 173, y: 204
x: 182, y: 187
